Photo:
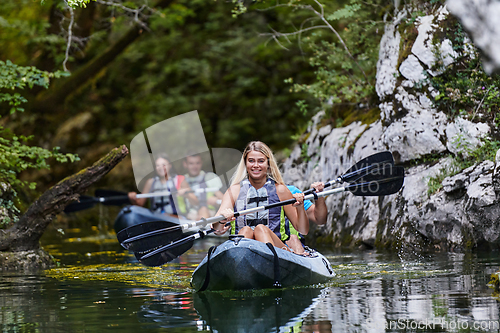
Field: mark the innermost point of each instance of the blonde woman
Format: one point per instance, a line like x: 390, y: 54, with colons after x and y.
x: 258, y: 182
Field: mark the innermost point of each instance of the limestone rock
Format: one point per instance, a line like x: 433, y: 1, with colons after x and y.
x: 463, y: 214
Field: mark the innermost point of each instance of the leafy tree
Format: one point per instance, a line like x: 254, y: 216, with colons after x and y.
x: 15, y: 153
x: 133, y: 65
x: 343, y: 39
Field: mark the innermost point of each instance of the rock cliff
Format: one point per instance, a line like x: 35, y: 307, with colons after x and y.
x: 425, y: 138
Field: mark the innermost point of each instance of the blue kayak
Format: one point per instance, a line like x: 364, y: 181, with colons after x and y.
x: 240, y: 264
x: 134, y: 215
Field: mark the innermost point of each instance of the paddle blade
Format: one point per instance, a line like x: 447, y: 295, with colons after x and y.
x: 366, y: 165
x: 154, y: 257
x: 149, y: 235
x: 361, y: 168
x: 388, y: 180
x: 85, y: 202
x: 112, y: 197
x: 108, y: 193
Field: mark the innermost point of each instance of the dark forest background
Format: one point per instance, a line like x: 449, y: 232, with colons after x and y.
x: 253, y: 70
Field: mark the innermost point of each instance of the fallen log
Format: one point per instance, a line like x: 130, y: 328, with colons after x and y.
x: 22, y: 240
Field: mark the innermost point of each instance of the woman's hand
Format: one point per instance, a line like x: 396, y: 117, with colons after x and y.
x: 222, y: 227
x: 183, y: 191
x: 318, y: 186
x: 299, y: 197
x: 132, y: 197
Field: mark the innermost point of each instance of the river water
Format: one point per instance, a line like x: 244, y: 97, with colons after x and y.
x: 99, y: 286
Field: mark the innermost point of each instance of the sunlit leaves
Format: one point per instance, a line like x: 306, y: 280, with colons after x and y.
x: 13, y: 77
x: 77, y: 3
x: 347, y: 12
x: 16, y: 155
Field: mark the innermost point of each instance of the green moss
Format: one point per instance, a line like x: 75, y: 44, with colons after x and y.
x: 346, y: 239
x: 463, y: 160
x: 326, y: 239
x: 137, y: 275
x: 408, y: 34
x: 366, y: 117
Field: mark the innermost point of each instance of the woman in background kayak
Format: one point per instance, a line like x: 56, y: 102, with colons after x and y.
x: 166, y: 181
x: 258, y: 182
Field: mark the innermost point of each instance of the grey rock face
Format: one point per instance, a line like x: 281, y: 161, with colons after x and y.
x: 463, y: 214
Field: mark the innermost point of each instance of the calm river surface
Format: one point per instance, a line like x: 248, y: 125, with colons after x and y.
x: 101, y: 287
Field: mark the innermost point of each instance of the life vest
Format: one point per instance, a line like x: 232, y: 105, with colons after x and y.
x: 196, y: 183
x: 167, y: 204
x: 289, y: 229
x: 250, y: 197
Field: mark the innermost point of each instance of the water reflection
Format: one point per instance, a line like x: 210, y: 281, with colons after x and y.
x: 372, y: 292
x: 252, y: 311
x: 169, y: 310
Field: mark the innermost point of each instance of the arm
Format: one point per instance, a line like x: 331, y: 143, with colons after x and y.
x: 141, y: 201
x: 319, y: 212
x: 186, y: 192
x: 296, y: 212
x: 214, y: 181
x: 226, y: 209
x: 213, y: 200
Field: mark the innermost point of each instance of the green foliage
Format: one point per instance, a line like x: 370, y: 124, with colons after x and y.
x: 75, y: 3
x: 198, y: 57
x: 348, y: 11
x: 467, y: 157
x: 344, y: 64
x: 303, y: 152
x: 464, y: 88
x: 16, y: 155
x: 14, y: 77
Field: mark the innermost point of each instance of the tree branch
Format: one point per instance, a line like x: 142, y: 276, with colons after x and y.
x: 46, y: 100
x: 321, y: 15
x: 26, y: 233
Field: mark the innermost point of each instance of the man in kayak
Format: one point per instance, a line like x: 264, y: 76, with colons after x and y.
x: 256, y: 182
x: 316, y: 212
x: 198, y: 179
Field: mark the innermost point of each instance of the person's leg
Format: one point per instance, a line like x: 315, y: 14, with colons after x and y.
x: 264, y: 234
x: 295, y: 244
x: 247, y: 232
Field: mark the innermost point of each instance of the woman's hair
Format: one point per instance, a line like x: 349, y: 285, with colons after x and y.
x: 261, y: 147
x: 165, y: 157
x: 162, y: 155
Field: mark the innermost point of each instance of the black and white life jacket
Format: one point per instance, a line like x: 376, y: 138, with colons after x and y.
x: 250, y: 197
x: 165, y: 204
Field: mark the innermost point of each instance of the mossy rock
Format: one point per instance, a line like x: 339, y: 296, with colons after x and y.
x: 26, y: 260
x: 495, y: 281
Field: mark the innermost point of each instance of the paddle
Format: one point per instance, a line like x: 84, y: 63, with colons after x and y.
x: 368, y: 165
x: 118, y: 198
x: 85, y: 202
x: 373, y: 167
x: 389, y: 181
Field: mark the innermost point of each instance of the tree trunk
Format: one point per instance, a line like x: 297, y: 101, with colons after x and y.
x: 26, y: 233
